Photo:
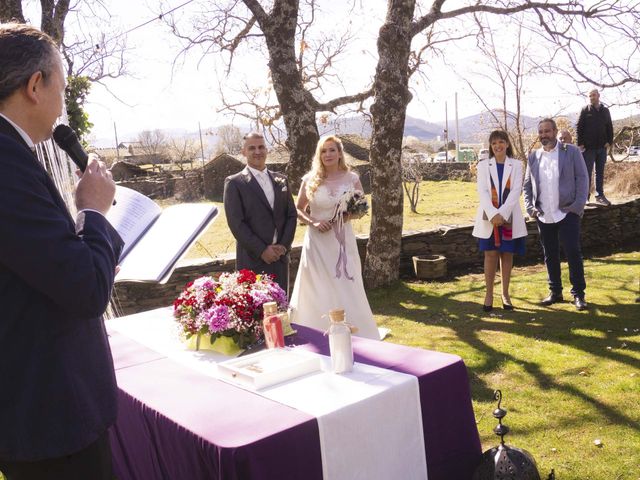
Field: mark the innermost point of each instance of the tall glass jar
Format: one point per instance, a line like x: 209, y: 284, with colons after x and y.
x: 340, y: 342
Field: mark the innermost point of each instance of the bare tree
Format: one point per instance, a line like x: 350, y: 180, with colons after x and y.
x: 153, y: 145
x: 297, y: 65
x: 229, y: 139
x: 508, y: 72
x: 182, y: 150
x: 413, y: 169
x: 90, y: 57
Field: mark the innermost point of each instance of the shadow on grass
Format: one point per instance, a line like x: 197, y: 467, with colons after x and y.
x: 436, y: 305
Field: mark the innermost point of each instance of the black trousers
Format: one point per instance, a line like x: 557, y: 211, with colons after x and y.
x: 567, y: 233
x: 92, y: 462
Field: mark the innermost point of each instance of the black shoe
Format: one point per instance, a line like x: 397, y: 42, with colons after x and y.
x: 507, y: 306
x: 579, y: 303
x: 551, y: 299
x: 602, y: 200
x: 487, y: 308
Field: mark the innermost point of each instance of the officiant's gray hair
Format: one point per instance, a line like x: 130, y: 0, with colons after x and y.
x: 318, y: 173
x: 24, y: 50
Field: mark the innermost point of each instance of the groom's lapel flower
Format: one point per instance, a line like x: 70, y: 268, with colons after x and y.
x: 281, y: 182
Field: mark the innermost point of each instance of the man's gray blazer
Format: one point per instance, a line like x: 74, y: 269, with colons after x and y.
x: 573, y: 183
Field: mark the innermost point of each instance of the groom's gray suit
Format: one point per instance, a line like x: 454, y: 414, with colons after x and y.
x: 253, y: 222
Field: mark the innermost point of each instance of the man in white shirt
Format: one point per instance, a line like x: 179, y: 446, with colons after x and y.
x: 555, y: 192
x: 261, y: 214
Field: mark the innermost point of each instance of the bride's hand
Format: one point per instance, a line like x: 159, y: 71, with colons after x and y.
x: 322, y: 226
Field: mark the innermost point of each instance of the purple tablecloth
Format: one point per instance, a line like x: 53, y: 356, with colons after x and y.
x: 175, y: 423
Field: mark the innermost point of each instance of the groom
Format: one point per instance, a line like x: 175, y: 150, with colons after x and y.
x: 261, y: 214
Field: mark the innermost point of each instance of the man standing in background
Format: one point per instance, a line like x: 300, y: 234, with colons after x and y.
x: 555, y: 192
x: 595, y: 136
x: 565, y: 137
x: 57, y: 382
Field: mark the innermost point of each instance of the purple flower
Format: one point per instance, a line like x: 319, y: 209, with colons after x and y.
x: 278, y: 294
x: 217, y: 317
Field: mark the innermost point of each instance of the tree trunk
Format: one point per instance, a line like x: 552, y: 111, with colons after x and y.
x: 52, y: 19
x: 296, y: 103
x: 11, y: 10
x: 382, y: 264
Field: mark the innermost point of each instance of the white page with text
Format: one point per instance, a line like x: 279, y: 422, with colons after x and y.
x: 131, y: 216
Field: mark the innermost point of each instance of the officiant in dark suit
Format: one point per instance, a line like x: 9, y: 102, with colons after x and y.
x: 261, y: 214
x: 57, y: 383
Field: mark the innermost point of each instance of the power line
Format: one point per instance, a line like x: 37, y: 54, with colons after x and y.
x: 144, y: 24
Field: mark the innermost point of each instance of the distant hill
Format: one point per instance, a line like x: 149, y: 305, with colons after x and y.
x: 473, y: 129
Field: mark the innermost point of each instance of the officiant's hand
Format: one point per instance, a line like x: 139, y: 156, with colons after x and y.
x: 271, y: 254
x: 96, y: 188
x: 322, y: 226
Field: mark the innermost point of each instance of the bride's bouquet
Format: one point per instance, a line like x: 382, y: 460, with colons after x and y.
x: 352, y: 202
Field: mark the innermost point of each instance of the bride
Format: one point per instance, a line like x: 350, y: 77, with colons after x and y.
x: 329, y: 275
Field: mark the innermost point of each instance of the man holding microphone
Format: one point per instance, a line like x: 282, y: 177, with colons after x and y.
x: 56, y: 275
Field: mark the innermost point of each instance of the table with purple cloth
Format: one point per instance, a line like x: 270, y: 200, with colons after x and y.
x: 176, y: 423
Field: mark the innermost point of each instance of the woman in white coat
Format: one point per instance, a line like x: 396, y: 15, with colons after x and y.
x: 499, y: 224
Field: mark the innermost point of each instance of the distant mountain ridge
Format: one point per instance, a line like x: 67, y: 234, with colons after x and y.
x: 472, y: 129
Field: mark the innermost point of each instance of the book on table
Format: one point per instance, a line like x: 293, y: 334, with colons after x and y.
x: 154, y: 238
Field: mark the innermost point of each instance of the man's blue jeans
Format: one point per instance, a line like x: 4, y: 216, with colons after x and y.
x: 597, y: 156
x: 567, y: 233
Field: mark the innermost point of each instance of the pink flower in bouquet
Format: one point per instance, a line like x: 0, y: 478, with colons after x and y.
x: 230, y: 306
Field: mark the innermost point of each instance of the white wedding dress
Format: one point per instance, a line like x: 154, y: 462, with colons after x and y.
x: 326, y: 279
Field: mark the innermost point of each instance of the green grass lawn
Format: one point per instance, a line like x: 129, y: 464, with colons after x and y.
x: 568, y: 378
x: 441, y: 203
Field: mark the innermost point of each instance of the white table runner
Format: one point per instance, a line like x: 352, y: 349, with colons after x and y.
x: 369, y: 420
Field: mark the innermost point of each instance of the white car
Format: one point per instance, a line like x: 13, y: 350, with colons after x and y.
x: 634, y: 150
x: 440, y: 157
x: 483, y: 154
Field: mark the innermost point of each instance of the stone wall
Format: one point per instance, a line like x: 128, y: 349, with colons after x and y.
x: 604, y: 231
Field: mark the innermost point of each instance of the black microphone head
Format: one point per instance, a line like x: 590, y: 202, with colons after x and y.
x: 68, y: 141
x: 64, y: 136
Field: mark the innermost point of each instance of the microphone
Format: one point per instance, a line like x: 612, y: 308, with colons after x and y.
x: 68, y: 141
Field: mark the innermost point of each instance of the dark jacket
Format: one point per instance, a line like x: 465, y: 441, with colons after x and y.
x: 57, y: 383
x: 252, y: 221
x: 594, y: 127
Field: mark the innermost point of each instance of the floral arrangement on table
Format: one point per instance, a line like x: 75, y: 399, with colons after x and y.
x: 226, y: 311
x: 352, y: 202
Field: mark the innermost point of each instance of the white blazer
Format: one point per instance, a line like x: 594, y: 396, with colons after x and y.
x: 510, y: 210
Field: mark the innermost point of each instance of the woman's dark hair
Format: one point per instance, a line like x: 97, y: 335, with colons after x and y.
x: 500, y: 135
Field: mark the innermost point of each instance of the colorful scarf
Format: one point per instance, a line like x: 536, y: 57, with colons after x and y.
x: 507, y: 232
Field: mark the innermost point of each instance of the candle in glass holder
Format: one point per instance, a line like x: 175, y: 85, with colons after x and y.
x: 272, y: 326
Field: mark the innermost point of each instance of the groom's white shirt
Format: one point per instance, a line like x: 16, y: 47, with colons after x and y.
x: 264, y: 180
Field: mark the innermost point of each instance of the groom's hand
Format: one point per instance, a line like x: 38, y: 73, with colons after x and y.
x: 270, y: 254
x: 282, y: 250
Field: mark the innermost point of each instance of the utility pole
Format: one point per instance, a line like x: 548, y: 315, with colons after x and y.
x: 115, y: 132
x: 457, y: 133
x: 446, y: 132
x: 204, y: 190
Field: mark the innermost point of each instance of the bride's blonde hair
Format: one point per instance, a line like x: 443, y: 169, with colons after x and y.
x: 318, y: 172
